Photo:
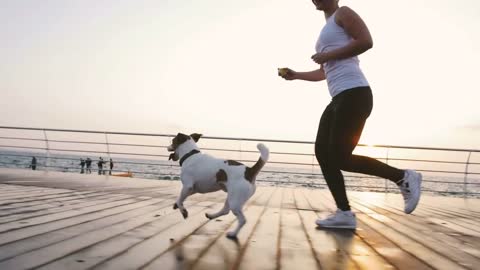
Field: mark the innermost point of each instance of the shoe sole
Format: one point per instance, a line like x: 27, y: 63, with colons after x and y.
x: 337, y: 227
x: 419, y: 193
x: 351, y: 227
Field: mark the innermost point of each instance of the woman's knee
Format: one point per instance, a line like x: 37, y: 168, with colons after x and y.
x: 343, y: 162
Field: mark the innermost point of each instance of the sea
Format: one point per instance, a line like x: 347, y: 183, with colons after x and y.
x: 441, y: 184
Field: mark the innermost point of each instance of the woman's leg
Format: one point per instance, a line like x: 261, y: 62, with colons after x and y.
x: 338, y: 135
x: 352, y: 112
x: 323, y: 149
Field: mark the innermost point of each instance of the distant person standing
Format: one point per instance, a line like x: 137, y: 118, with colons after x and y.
x: 343, y: 37
x: 100, y: 165
x: 82, y: 165
x: 88, y: 163
x: 111, y: 167
x: 33, y: 164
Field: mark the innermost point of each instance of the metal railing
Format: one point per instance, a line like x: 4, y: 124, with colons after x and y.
x: 446, y: 170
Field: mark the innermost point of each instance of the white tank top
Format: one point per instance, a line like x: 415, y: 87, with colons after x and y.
x: 341, y: 74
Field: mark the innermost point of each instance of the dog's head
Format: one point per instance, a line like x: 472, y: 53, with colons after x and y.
x: 182, y: 144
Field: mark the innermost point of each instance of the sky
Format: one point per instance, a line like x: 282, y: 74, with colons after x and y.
x: 210, y: 66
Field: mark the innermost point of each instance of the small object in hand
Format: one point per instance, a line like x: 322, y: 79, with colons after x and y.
x: 282, y: 72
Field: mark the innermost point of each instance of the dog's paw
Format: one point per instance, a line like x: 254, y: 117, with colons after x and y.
x: 185, y: 213
x: 175, y: 206
x: 208, y: 216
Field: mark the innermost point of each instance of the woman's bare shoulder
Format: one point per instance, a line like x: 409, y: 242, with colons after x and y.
x: 345, y: 13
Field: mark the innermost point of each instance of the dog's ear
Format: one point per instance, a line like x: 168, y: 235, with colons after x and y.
x: 196, y: 136
x: 173, y: 157
x: 181, y: 138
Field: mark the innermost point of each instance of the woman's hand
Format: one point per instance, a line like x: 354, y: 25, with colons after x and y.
x: 312, y: 76
x: 287, y: 74
x: 320, y: 58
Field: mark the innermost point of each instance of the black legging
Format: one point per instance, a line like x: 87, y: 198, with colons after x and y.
x: 338, y: 133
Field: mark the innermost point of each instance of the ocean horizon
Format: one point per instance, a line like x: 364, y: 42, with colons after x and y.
x: 157, y: 169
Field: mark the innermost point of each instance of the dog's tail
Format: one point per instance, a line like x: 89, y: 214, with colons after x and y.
x: 264, y: 152
x: 251, y: 173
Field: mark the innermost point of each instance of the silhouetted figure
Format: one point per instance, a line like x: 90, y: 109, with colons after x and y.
x: 88, y: 163
x: 100, y: 165
x: 111, y: 167
x: 33, y: 165
x: 82, y: 165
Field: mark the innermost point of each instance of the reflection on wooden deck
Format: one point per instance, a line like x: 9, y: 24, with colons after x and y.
x: 68, y: 221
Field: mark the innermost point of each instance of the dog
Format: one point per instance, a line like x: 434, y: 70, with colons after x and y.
x: 202, y: 173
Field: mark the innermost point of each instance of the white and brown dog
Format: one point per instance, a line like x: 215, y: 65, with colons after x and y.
x: 201, y: 173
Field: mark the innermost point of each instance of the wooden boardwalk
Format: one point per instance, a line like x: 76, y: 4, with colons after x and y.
x: 69, y: 221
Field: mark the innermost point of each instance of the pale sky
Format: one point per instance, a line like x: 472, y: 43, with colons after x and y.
x: 209, y: 66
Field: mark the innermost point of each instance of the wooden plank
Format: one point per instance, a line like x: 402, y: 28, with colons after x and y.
x: 89, y: 254
x: 336, y: 249
x: 45, y: 203
x: 443, y: 234
x: 265, y: 239
x: 5, y: 227
x: 388, y: 249
x: 441, y: 208
x: 108, y: 219
x: 49, y: 203
x: 295, y: 248
x: 423, y: 235
x: 72, y: 220
x: 14, y: 188
x: 26, y: 215
x: 138, y: 255
x: 231, y: 252
x: 8, y: 196
x: 450, y: 206
x: 392, y: 231
x: 9, y: 187
x: 455, y: 223
x: 46, y: 255
x: 145, y: 191
x: 391, y: 253
x: 191, y: 253
x: 456, y: 203
x: 27, y: 198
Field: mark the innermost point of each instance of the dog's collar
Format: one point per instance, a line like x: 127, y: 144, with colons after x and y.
x: 187, y: 155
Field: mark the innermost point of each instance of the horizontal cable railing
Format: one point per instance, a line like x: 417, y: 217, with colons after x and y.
x: 61, y: 150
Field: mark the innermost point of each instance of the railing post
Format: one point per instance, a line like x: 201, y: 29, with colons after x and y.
x: 386, y: 161
x: 240, y: 149
x: 108, y: 146
x: 465, y: 191
x: 108, y: 154
x: 313, y: 168
x: 47, y: 160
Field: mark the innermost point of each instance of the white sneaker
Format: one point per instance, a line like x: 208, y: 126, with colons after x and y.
x: 339, y: 220
x: 411, y: 189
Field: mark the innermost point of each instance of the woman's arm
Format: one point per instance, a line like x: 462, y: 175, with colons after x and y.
x: 357, y: 29
x: 312, y: 76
